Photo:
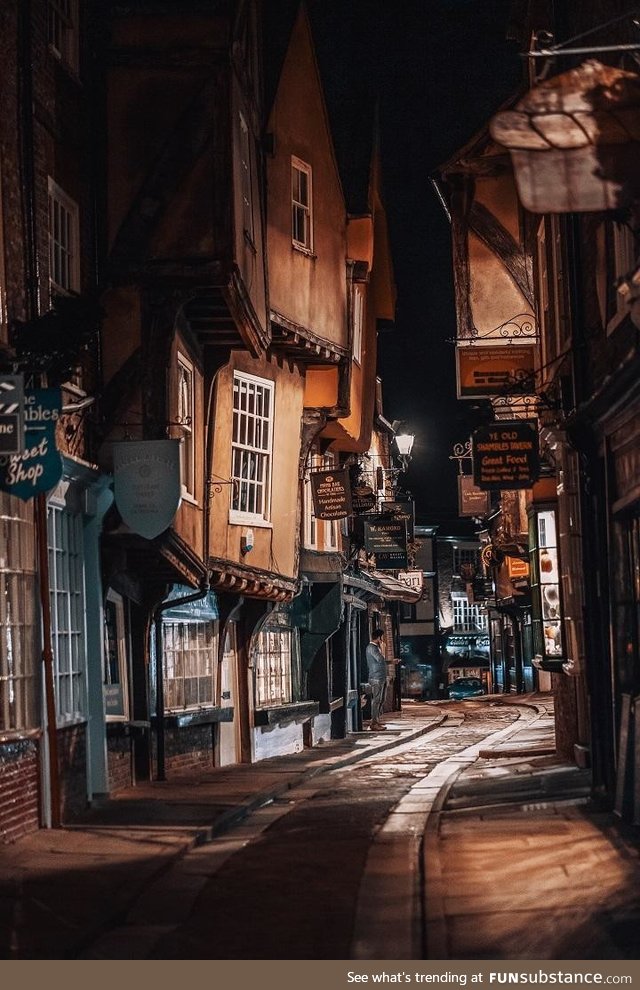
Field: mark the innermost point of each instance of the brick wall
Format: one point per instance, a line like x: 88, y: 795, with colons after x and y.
x: 119, y: 758
x: 72, y: 760
x: 19, y: 803
x: 187, y: 749
x: 566, y: 716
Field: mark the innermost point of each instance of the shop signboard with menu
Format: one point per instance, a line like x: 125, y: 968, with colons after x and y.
x: 546, y: 579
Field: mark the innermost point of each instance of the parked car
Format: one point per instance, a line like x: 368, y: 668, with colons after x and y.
x: 465, y: 687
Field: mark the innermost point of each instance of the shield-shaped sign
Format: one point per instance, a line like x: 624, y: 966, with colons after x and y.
x: 147, y: 484
x: 39, y: 467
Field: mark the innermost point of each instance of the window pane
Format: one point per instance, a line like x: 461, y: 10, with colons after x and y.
x: 251, y: 446
x: 66, y: 581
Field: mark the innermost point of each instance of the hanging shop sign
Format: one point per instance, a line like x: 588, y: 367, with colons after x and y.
x: 386, y: 537
x: 11, y: 414
x: 363, y: 498
x: 508, y: 589
x: 488, y: 372
x: 574, y: 142
x: 517, y: 567
x: 147, y: 484
x: 472, y: 501
x: 414, y: 579
x: 402, y: 510
x: 506, y: 455
x: 482, y: 589
x: 331, y: 493
x: 39, y: 467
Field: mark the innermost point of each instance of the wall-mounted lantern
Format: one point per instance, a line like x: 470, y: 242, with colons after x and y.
x: 404, y: 446
x: 575, y: 141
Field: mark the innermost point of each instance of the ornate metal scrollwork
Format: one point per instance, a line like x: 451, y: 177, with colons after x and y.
x: 522, y: 325
x: 215, y: 486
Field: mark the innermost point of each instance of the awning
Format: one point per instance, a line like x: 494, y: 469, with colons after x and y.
x: 321, y: 566
x: 393, y: 589
x: 378, y: 586
x: 202, y: 610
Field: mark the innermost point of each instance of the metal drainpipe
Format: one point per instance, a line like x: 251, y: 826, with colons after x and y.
x: 25, y: 130
x: 157, y: 619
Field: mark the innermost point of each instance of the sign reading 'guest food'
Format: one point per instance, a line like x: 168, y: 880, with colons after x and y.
x: 506, y: 455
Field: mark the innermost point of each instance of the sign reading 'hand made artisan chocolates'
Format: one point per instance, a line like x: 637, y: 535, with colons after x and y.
x: 331, y: 494
x: 506, y: 455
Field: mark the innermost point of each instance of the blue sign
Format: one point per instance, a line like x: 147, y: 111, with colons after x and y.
x: 39, y: 467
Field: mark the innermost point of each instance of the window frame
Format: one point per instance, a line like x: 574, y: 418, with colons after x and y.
x: 274, y: 669
x: 20, y: 624
x: 621, y: 261
x: 113, y: 598
x: 65, y: 24
x: 468, y: 617
x: 67, y: 595
x: 236, y: 514
x: 306, y: 209
x: 187, y: 423
x: 318, y: 534
x: 544, y: 541
x: 178, y: 647
x: 358, y: 311
x: 246, y: 189
x: 58, y: 197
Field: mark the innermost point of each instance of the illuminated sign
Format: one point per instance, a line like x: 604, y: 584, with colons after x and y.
x: 488, y: 372
x: 506, y: 455
x: 331, y: 494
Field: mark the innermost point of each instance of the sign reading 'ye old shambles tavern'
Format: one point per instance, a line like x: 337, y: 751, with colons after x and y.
x: 506, y: 455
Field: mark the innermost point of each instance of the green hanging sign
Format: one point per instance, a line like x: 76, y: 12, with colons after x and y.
x: 39, y: 467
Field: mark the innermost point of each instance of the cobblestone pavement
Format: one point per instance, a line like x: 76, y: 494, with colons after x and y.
x: 455, y: 834
x: 287, y: 884
x: 519, y: 866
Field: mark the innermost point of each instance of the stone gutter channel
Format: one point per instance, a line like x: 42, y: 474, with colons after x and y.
x: 401, y: 892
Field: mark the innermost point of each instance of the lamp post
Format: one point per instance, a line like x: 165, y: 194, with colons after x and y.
x: 404, y: 446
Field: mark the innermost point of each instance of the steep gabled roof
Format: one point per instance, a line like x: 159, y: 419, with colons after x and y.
x: 345, y: 83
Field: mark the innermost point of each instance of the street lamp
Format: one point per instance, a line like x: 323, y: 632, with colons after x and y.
x: 404, y: 445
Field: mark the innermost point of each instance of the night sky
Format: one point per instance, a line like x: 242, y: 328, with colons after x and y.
x: 439, y: 69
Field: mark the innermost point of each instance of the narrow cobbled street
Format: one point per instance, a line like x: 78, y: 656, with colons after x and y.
x: 457, y: 833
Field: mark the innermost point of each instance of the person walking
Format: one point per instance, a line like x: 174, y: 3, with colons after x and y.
x: 377, y: 674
